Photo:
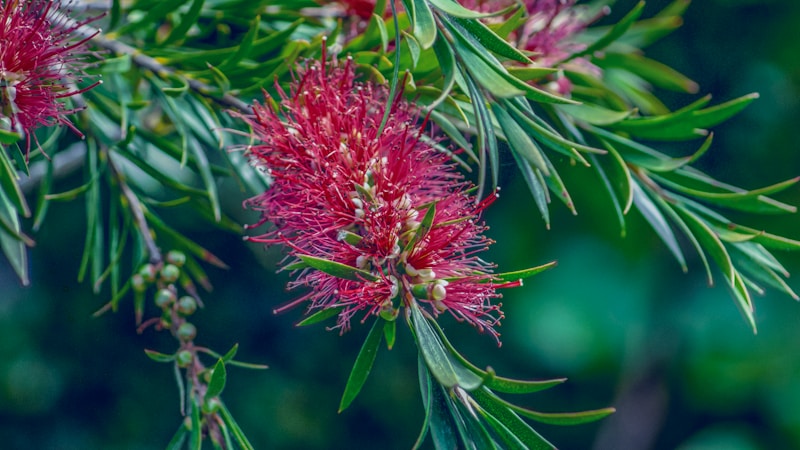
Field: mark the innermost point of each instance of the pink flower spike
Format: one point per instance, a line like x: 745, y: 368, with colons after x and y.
x: 389, y: 206
x: 40, y: 61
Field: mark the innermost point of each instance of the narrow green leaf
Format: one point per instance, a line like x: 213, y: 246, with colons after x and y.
x: 154, y: 14
x: 710, y: 241
x: 159, y: 357
x: 338, y: 270
x: 426, y: 390
x: 363, y: 365
x: 614, y: 33
x: 176, y: 443
x: 390, y: 333
x: 443, y: 428
x: 231, y: 353
x: 755, y: 200
x: 575, y: 418
x: 178, y: 33
x: 593, y: 114
x: 507, y: 437
x: 496, y: 407
x: 196, y: 432
x: 492, y: 41
x: 536, y: 185
x: 457, y: 10
x: 9, y: 183
x: 656, y: 220
x: 447, y: 64
x: 9, y: 137
x: 650, y: 70
x: 423, y: 23
x: 525, y: 273
x: 217, y: 382
x: 238, y: 434
x: 424, y: 227
x: 448, y: 371
x: 320, y: 316
x: 518, y: 140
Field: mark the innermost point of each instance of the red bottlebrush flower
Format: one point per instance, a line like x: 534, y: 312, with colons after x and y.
x: 343, y: 192
x: 39, y: 64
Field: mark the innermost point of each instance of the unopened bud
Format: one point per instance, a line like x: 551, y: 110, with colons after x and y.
x: 170, y: 273
x: 187, y: 305
x: 176, y: 257
x: 164, y: 298
x: 187, y: 332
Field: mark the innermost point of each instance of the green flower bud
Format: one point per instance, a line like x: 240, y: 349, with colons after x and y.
x: 170, y: 273
x: 165, y: 298
x: 148, y: 273
x: 187, y: 332
x: 177, y: 258
x: 138, y: 283
x: 184, y: 358
x: 187, y: 305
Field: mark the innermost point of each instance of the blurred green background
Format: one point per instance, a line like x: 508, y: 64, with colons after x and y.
x: 617, y: 316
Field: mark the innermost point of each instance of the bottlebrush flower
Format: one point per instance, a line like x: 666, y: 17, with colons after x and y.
x: 387, y: 205
x: 39, y: 64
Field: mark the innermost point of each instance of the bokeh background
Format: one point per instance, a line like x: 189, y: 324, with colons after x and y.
x: 617, y: 316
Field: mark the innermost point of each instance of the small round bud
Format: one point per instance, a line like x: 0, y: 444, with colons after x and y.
x: 138, y: 283
x: 164, y: 298
x: 148, y: 273
x: 187, y: 332
x: 176, y: 257
x: 170, y: 273
x: 187, y: 305
x: 184, y: 358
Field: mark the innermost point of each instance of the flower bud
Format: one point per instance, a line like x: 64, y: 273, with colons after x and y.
x: 148, y: 273
x: 170, y: 273
x: 177, y: 258
x: 164, y: 298
x: 187, y: 332
x: 138, y: 283
x: 187, y: 305
x: 211, y: 406
x: 184, y: 358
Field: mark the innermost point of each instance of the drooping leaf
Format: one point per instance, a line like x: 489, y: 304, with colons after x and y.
x: 363, y: 364
x: 338, y: 270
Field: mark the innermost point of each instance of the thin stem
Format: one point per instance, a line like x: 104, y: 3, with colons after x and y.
x: 146, y: 62
x: 137, y: 209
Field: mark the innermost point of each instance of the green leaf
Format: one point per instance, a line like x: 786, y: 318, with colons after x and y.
x: 525, y: 273
x: 491, y: 41
x: 217, y: 382
x: 536, y: 185
x: 424, y: 26
x: 320, y: 316
x: 518, y: 140
x: 444, y: 367
x: 159, y: 357
x: 447, y: 64
x: 9, y: 137
x: 390, y: 333
x: 238, y: 434
x: 176, y: 443
x: 424, y: 227
x: 196, y: 432
x: 593, y: 114
x: 426, y: 390
x: 650, y: 70
x: 178, y: 33
x: 155, y: 14
x: 656, y: 220
x: 363, y: 365
x: 338, y: 270
x: 506, y: 436
x: 614, y: 33
x: 8, y: 182
x: 755, y: 200
x: 455, y: 9
x: 443, y: 428
x: 496, y: 407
